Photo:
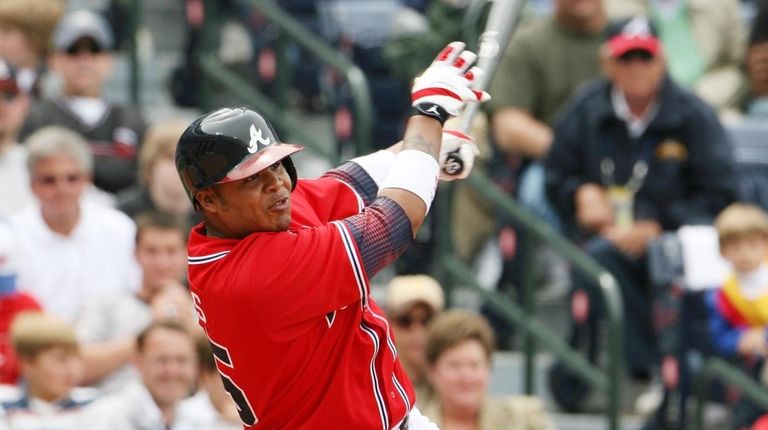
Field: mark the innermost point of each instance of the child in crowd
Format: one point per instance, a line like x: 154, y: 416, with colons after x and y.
x: 738, y: 317
x: 51, y: 368
x: 739, y: 309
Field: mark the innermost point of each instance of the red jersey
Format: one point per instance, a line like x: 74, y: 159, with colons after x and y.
x: 10, y: 306
x: 298, y: 341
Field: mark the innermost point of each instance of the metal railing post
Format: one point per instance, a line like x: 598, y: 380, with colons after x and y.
x: 717, y: 367
x: 134, y: 82
x: 243, y: 90
x: 361, y: 98
x: 608, y: 287
x: 527, y: 295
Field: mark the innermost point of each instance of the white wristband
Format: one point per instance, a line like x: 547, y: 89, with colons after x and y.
x: 415, y: 171
x: 377, y: 165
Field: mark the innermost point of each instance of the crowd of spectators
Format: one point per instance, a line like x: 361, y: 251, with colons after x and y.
x: 607, y: 121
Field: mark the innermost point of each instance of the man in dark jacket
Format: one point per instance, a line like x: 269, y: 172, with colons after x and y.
x: 635, y: 155
x: 83, y: 58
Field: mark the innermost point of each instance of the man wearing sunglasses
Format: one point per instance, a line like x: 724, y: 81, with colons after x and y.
x: 71, y: 248
x: 634, y: 155
x: 82, y: 57
x: 411, y: 303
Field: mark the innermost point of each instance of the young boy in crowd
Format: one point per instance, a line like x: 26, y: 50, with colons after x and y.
x: 739, y: 309
x: 51, y: 368
x: 738, y: 317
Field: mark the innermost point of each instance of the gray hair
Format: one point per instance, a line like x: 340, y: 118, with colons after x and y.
x: 53, y: 141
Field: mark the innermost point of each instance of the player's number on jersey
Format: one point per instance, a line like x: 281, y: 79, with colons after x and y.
x: 243, y: 406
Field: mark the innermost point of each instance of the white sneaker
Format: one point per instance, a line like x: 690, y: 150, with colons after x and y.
x: 649, y: 400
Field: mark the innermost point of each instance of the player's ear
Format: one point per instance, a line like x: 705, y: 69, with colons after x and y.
x: 208, y: 200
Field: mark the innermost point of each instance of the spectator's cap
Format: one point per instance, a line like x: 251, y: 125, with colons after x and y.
x: 82, y: 23
x: 406, y: 291
x: 632, y: 34
x: 8, y: 259
x: 8, y: 82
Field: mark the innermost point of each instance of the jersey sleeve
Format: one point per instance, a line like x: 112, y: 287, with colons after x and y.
x: 330, y: 198
x: 356, y: 177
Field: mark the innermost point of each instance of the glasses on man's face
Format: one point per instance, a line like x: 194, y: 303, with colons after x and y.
x: 637, y: 54
x: 51, y: 180
x: 407, y: 321
x: 80, y: 48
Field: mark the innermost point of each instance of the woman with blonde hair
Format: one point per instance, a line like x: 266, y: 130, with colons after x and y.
x: 159, y: 188
x: 459, y: 348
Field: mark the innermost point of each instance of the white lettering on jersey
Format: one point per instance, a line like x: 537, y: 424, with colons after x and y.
x: 198, y: 307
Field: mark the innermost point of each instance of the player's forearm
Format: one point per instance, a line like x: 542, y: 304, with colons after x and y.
x: 423, y: 135
x: 516, y: 131
x: 102, y: 359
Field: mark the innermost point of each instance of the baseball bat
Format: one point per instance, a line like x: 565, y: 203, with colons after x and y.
x: 502, y: 20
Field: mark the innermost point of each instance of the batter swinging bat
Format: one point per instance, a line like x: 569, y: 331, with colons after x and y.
x: 502, y: 20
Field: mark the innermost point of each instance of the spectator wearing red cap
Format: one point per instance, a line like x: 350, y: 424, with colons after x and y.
x: 12, y: 303
x: 14, y: 105
x: 25, y: 32
x: 634, y: 154
x: 705, y: 42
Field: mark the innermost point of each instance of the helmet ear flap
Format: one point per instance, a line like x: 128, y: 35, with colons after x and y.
x: 291, y: 169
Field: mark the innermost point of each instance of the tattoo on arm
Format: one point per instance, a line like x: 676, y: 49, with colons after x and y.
x: 420, y: 143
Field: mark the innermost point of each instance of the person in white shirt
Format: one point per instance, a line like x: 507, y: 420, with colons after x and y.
x: 71, y: 249
x: 167, y: 362
x: 211, y: 407
x: 108, y: 324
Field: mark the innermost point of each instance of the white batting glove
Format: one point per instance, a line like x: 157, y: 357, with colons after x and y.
x: 446, y: 86
x: 457, y: 155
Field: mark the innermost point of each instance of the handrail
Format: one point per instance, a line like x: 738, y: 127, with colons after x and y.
x: 325, y: 53
x: 134, y: 80
x: 608, y: 289
x: 244, y: 90
x: 717, y: 367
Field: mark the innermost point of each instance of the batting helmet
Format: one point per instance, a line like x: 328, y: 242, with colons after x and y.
x: 227, y: 145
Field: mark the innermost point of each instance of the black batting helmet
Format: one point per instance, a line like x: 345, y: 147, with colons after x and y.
x: 227, y: 145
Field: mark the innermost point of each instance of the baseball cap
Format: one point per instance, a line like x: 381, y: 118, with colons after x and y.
x: 82, y: 23
x: 405, y: 291
x: 8, y: 259
x: 632, y: 34
x: 8, y: 82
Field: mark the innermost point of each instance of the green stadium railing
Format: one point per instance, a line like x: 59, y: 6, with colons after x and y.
x: 455, y: 271
x: 293, y: 30
x: 719, y: 368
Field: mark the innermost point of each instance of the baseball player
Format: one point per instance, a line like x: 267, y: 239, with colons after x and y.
x: 279, y: 269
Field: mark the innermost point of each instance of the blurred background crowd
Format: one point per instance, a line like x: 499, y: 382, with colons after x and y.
x: 637, y: 130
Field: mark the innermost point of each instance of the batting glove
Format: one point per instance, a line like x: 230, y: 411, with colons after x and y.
x: 446, y: 86
x: 457, y: 155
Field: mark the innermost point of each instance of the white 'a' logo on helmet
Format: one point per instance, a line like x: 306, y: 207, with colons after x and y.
x: 256, y: 138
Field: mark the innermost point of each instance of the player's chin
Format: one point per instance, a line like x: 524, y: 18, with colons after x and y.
x: 282, y: 221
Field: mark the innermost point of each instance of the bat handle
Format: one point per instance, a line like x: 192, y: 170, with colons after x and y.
x: 466, y: 117
x: 454, y: 165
